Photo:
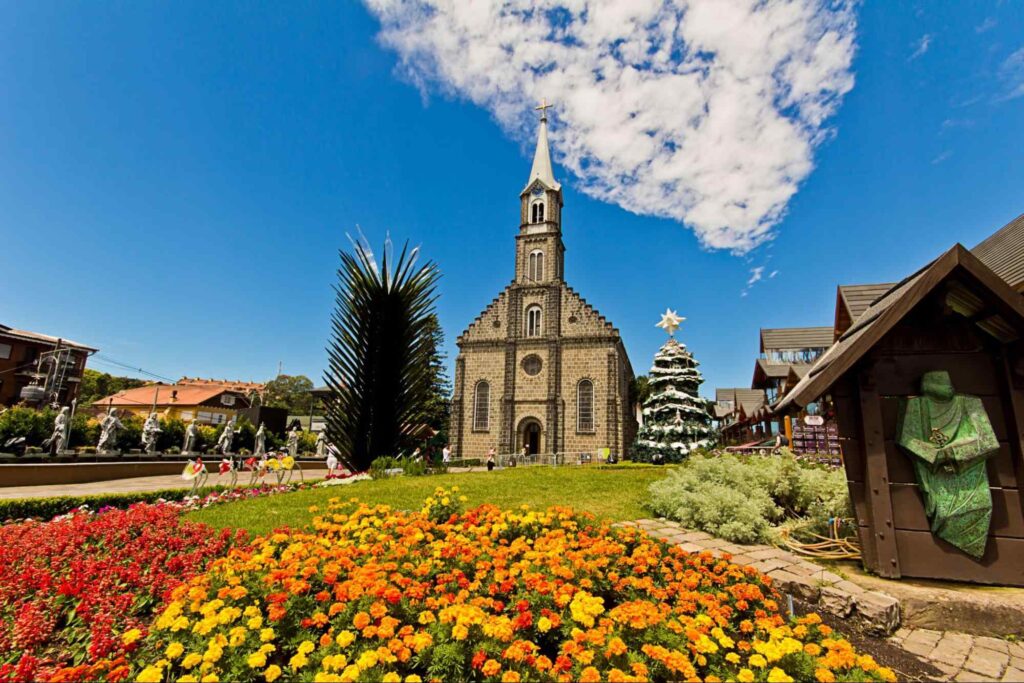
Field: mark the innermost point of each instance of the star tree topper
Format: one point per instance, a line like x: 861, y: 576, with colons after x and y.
x: 670, y: 321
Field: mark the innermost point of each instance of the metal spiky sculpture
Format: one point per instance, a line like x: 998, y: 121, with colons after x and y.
x: 379, y: 355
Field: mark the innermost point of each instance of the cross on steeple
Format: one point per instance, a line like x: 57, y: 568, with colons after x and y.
x: 543, y: 109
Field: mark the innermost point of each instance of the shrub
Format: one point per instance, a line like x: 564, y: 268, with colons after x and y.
x: 48, y: 508
x: 744, y: 498
x: 70, y: 588
x: 371, y: 593
x: 380, y: 466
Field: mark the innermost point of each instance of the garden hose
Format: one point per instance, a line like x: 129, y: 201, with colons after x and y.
x: 832, y: 547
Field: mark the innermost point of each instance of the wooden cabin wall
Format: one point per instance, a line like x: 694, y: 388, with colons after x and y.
x: 929, y: 339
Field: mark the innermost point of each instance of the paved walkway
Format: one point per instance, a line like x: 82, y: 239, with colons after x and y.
x: 133, y: 485
x: 963, y: 657
x: 960, y: 656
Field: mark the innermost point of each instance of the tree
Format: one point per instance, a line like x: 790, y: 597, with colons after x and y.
x: 380, y: 371
x: 676, y: 419
x: 96, y: 385
x: 439, y: 404
x: 290, y: 392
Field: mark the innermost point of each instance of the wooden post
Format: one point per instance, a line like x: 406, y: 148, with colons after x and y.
x: 787, y: 421
x: 883, y: 532
x: 1015, y: 425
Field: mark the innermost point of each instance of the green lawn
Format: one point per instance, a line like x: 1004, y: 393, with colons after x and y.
x: 615, y: 494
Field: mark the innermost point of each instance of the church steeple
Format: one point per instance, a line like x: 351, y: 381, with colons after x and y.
x: 540, y: 254
x: 542, y: 155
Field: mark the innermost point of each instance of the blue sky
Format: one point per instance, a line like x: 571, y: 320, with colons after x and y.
x: 176, y: 180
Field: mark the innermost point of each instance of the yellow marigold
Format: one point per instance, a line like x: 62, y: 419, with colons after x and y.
x: 266, y: 635
x: 130, y: 636
x: 257, y: 660
x: 174, y: 650
x: 732, y: 658
x: 886, y: 674
x: 391, y: 677
x: 813, y: 649
x: 543, y: 624
x: 745, y: 676
x: 210, y: 678
x: 306, y: 646
x: 191, y: 660
x: 188, y: 678
x: 509, y: 676
x: 413, y: 678
x: 460, y: 632
x: 867, y: 662
x: 254, y: 622
x: 758, y: 661
x: 272, y: 673
x: 824, y: 676
x: 367, y: 660
x: 491, y: 668
x: 150, y: 674
x: 590, y: 675
x: 426, y: 618
x: 345, y: 638
x: 298, y: 661
x: 777, y: 675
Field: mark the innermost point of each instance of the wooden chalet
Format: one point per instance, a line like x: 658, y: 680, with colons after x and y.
x: 955, y: 314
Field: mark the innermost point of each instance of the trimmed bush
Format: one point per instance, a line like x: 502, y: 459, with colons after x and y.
x: 744, y: 498
x: 48, y: 508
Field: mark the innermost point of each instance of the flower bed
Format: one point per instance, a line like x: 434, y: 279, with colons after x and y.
x: 378, y: 594
x: 70, y: 588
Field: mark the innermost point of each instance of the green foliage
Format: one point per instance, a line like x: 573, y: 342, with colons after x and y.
x: 639, y: 390
x: 380, y: 466
x: 745, y: 498
x: 380, y: 353
x: 439, y: 405
x: 413, y: 468
x: 34, y: 425
x: 172, y: 435
x: 291, y: 392
x: 47, y: 508
x: 96, y: 385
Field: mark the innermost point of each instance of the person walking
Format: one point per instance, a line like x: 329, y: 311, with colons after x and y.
x: 490, y: 459
x: 446, y: 454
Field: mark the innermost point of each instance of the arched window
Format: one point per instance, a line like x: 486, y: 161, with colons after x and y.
x: 536, y: 269
x: 482, y: 407
x: 585, y: 406
x: 538, y: 213
x: 533, y: 321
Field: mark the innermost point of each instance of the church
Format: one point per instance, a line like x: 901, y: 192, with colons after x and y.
x: 540, y: 368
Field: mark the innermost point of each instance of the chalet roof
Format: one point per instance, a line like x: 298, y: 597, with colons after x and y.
x: 1003, y: 252
x: 771, y: 370
x: 886, y: 312
x: 857, y: 298
x: 795, y: 338
x: 38, y: 337
x: 166, y: 395
x: 737, y: 395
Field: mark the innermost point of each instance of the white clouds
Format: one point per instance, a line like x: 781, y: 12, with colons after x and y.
x: 704, y: 111
x: 941, y: 157
x: 987, y: 25
x: 1011, y: 72
x: 921, y: 47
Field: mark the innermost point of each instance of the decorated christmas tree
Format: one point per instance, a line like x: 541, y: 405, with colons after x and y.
x: 676, y: 419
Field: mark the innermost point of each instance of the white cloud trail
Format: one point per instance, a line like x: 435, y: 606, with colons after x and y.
x: 703, y: 111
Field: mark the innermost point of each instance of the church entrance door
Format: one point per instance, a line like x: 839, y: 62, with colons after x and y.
x: 529, y: 436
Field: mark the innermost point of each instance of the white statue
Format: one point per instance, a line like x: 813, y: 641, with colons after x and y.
x: 191, y: 437
x: 261, y: 440
x: 150, y: 430
x: 108, y: 431
x: 226, y: 437
x: 61, y: 427
x: 321, y: 445
x: 293, y: 442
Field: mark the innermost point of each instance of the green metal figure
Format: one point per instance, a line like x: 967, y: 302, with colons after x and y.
x: 949, y: 438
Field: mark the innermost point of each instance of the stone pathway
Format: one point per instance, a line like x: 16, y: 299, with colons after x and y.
x: 962, y: 657
x: 792, y: 574
x: 133, y: 485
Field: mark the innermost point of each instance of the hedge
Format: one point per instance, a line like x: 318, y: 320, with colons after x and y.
x: 48, y: 508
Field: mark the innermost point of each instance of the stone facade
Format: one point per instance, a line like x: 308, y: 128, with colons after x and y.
x: 539, y: 354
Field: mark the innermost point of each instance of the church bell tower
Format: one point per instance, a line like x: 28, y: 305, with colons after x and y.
x: 540, y: 253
